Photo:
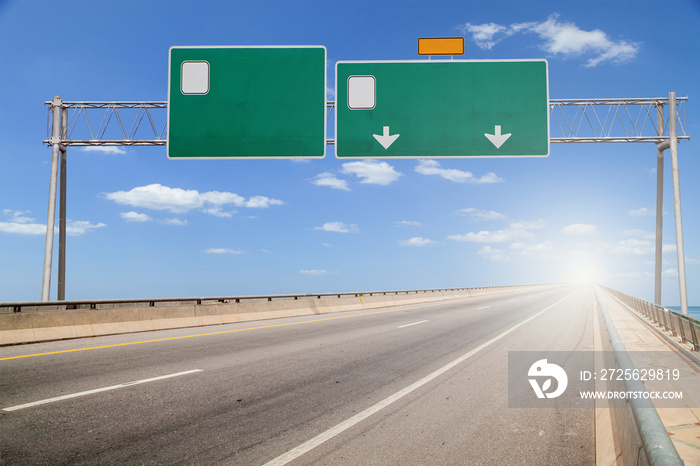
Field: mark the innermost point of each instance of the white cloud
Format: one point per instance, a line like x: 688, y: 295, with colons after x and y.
x: 640, y: 247
x: 517, y: 231
x: 23, y: 228
x: 18, y: 216
x: 432, y: 167
x: 222, y: 251
x: 568, y: 39
x: 494, y: 254
x: 641, y: 212
x: 633, y: 276
x: 261, y: 202
x: 635, y: 247
x: 22, y: 225
x: 372, y: 172
x: 135, y: 217
x: 417, y: 241
x: 314, y: 272
x: 558, y: 38
x: 338, y: 227
x: 19, y: 223
x: 519, y: 235
x: 80, y: 227
x: 158, y: 197
x: 499, y: 236
x: 482, y: 215
x: 485, y: 34
x: 217, y: 198
x: 408, y: 223
x: 217, y: 211
x: 580, y: 229
x: 640, y: 234
x: 174, y: 221
x: 138, y: 218
x: 330, y: 180
x: 539, y: 251
x: 670, y: 273
x: 484, y: 236
x: 542, y: 251
x: 533, y: 225
x: 114, y: 150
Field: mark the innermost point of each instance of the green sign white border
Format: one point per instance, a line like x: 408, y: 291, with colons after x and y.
x: 428, y: 62
x: 323, y: 112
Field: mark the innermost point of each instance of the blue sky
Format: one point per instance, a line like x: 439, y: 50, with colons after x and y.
x: 141, y: 225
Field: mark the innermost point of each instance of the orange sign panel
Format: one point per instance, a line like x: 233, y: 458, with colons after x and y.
x: 441, y: 46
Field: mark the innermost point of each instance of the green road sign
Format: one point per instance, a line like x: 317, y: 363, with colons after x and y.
x: 442, y: 109
x: 250, y: 102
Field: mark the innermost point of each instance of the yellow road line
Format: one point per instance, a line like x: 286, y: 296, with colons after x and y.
x: 229, y: 331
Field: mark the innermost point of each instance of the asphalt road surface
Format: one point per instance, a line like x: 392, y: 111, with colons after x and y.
x: 418, y: 384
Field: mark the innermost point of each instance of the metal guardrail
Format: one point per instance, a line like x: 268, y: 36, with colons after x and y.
x: 684, y: 327
x: 32, y: 306
x: 658, y: 446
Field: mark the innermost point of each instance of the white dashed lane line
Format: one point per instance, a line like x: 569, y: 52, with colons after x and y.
x: 98, y: 390
x: 414, y: 323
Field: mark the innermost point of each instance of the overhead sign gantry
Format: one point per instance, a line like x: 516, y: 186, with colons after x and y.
x: 270, y: 102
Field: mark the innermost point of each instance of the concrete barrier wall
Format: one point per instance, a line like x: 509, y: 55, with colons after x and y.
x: 47, y: 325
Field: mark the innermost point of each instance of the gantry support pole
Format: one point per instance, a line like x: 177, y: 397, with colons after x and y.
x: 659, y: 206
x: 62, y: 211
x: 673, y: 135
x: 56, y: 107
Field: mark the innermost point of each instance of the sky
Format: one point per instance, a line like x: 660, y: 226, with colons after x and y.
x: 143, y: 226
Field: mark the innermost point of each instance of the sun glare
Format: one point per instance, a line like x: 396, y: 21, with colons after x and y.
x: 583, y: 273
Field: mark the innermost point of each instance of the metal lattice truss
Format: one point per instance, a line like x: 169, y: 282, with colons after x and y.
x: 571, y: 120
x: 113, y: 123
x: 613, y: 120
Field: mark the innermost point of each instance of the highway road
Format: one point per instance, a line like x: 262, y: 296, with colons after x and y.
x: 418, y: 384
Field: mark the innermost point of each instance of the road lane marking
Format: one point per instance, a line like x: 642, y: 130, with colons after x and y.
x: 98, y: 390
x: 309, y: 445
x: 239, y: 329
x: 483, y: 307
x: 414, y: 323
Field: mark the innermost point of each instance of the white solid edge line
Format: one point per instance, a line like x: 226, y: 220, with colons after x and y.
x: 309, y: 445
x: 414, y: 323
x: 97, y: 390
x: 483, y: 307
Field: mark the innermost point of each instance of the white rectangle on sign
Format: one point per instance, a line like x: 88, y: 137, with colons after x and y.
x: 195, y: 77
x: 361, y: 92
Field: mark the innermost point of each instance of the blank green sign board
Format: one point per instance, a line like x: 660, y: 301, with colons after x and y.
x: 442, y: 109
x: 250, y: 102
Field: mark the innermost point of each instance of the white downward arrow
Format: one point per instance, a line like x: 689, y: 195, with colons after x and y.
x: 385, y: 139
x: 497, y: 139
